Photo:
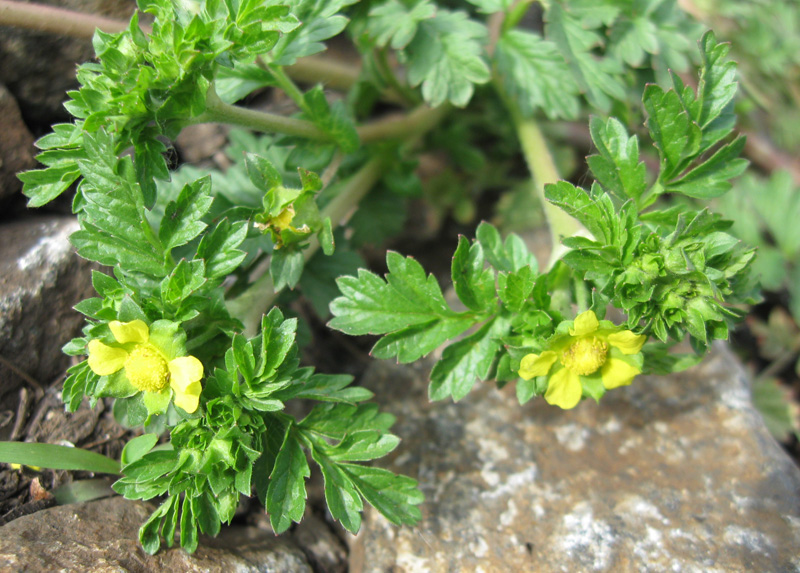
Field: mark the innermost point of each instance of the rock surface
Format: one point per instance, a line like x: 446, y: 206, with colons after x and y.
x: 39, y: 68
x: 16, y: 146
x: 41, y: 279
x: 672, y: 473
x: 102, y: 536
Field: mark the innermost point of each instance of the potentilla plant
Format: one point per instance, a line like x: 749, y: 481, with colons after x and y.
x: 184, y: 333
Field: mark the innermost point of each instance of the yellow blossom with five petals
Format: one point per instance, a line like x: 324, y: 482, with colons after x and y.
x: 148, y: 359
x: 593, y: 353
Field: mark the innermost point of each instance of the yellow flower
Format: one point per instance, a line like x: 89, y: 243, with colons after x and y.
x: 148, y: 359
x: 593, y: 356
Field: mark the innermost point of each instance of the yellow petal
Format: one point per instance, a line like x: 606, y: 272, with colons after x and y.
x: 616, y: 373
x: 183, y: 372
x: 585, y: 323
x: 564, y: 389
x: 104, y: 359
x: 627, y: 341
x: 134, y: 331
x: 536, y: 364
x: 189, y: 399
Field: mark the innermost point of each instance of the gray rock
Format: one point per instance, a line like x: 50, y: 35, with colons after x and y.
x: 16, y: 146
x: 39, y: 68
x: 673, y: 473
x: 41, y: 279
x: 102, y: 536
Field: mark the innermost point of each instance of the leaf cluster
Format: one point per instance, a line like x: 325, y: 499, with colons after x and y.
x: 246, y: 441
x: 671, y: 270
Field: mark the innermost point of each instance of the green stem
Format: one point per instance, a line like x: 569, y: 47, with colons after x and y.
x: 217, y: 111
x: 56, y: 20
x: 256, y: 299
x: 543, y: 169
x: 398, y: 126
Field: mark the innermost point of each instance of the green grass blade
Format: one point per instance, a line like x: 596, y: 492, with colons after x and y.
x: 56, y: 457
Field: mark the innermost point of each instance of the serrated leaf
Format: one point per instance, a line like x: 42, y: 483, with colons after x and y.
x: 617, y: 167
x: 535, y: 75
x: 186, y: 278
x: 466, y: 361
x: 509, y: 256
x: 363, y: 446
x: 182, y: 220
x: 395, y: 23
x: 597, y: 77
x: 286, y: 267
x: 342, y: 498
x: 474, y: 284
x: 396, y: 497
x: 414, y: 342
x: 674, y: 134
x: 219, y: 248
x: 370, y: 305
x: 516, y: 287
x: 445, y: 58
x: 286, y: 494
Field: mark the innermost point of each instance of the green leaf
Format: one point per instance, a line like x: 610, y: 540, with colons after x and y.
x: 466, y: 361
x: 617, y: 167
x: 219, y: 248
x: 597, y: 78
x: 286, y: 267
x: 182, y: 220
x: 510, y: 256
x: 286, y: 495
x: 395, y: 23
x: 56, y: 457
x: 333, y: 120
x: 341, y: 495
x: 446, y: 58
x: 363, y: 446
x: 185, y: 279
x: 319, y: 21
x: 407, y: 298
x: 535, y: 75
x: 396, y: 497
x: 43, y: 185
x: 674, y: 134
x: 712, y: 177
x: 515, y: 288
x: 474, y: 285
x: 138, y: 447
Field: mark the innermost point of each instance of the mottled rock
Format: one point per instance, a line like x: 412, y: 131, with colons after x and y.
x: 673, y: 473
x: 39, y: 68
x: 16, y: 146
x: 102, y: 536
x: 41, y: 279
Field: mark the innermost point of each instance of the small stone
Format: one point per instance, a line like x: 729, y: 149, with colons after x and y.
x: 102, y: 536
x: 672, y: 473
x: 41, y: 279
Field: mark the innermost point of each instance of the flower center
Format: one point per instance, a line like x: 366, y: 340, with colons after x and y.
x: 147, y: 369
x: 585, y: 355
